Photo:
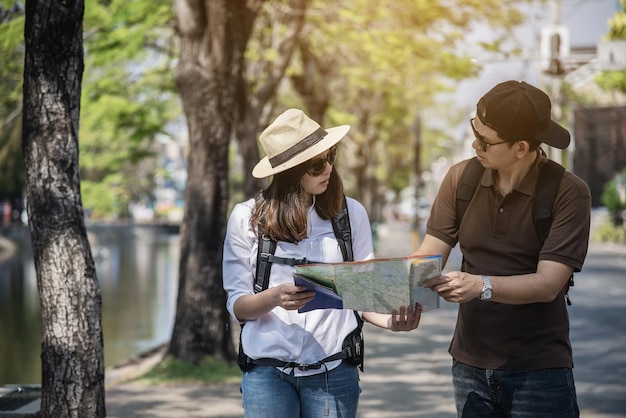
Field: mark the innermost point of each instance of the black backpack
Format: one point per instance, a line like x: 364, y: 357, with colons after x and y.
x: 546, y: 189
x: 353, y: 343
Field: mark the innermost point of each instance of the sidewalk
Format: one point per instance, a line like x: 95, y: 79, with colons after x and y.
x: 408, y: 374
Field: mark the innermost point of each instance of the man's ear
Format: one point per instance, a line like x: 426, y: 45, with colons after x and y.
x: 523, y: 147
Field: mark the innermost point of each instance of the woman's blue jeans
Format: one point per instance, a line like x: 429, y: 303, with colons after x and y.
x: 547, y: 393
x: 270, y: 393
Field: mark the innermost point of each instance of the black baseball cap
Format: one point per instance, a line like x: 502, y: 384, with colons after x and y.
x: 518, y: 110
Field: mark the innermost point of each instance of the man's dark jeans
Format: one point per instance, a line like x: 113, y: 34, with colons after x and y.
x: 514, y: 393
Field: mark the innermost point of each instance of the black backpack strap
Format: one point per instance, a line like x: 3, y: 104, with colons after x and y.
x: 547, y: 188
x: 354, y: 342
x: 466, y: 187
x: 343, y: 233
x: 545, y: 193
x: 266, y: 250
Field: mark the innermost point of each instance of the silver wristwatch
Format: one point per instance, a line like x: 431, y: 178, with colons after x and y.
x: 487, y: 291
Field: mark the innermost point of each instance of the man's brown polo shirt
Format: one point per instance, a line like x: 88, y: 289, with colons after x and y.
x: 497, y: 237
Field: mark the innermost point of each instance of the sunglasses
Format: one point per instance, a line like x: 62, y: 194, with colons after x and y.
x: 318, y: 165
x: 484, y: 145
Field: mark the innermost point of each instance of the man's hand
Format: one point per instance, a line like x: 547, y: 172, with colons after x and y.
x: 456, y: 286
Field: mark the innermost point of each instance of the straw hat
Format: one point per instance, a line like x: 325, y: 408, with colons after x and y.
x: 292, y: 139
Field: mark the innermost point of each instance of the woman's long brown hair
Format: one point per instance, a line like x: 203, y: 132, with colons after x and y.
x: 280, y: 211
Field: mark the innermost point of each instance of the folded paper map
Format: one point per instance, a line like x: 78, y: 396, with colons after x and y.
x: 377, y: 285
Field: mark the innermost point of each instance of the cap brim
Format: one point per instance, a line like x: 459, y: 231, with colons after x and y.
x: 555, y: 136
x: 264, y: 168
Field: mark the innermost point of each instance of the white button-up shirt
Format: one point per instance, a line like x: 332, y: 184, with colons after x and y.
x: 288, y: 335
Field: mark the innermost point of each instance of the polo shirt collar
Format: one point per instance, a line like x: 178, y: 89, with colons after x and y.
x: 527, y: 185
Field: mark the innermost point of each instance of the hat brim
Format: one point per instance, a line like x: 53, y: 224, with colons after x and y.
x: 555, y: 136
x: 264, y: 168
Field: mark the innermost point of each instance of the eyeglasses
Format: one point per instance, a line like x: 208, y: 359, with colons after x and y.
x: 484, y: 145
x: 318, y: 165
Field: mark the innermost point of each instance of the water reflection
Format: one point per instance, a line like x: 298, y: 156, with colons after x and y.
x: 137, y: 268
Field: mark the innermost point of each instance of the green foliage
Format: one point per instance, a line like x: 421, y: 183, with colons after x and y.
x: 383, y: 63
x: 610, y: 197
x: 615, y: 80
x: 12, y: 56
x: 379, y: 63
x: 613, y: 195
x: 614, y: 199
x: 617, y: 24
x: 103, y: 197
x: 128, y: 99
x: 174, y: 372
x: 612, y: 81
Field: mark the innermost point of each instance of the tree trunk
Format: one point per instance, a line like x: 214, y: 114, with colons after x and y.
x: 72, y: 351
x: 247, y: 130
x: 214, y: 34
x: 259, y: 88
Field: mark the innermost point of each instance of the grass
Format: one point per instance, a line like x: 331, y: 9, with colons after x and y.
x: 171, y: 372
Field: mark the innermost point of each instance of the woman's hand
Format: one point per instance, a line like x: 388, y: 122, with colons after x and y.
x: 407, y: 319
x: 291, y: 297
x: 287, y: 296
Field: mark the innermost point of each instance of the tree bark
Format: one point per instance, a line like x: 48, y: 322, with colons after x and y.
x: 214, y: 34
x: 72, y: 349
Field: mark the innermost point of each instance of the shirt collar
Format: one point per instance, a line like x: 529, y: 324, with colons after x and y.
x: 527, y: 185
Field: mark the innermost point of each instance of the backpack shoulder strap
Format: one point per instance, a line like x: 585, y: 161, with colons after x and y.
x: 546, y: 190
x: 266, y: 248
x: 545, y: 194
x: 343, y: 232
x: 466, y: 187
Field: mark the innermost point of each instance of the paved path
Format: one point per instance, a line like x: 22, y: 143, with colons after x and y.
x: 408, y: 374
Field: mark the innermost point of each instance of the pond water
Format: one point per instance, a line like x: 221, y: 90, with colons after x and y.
x: 137, y: 268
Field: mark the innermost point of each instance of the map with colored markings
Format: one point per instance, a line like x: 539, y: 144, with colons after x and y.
x: 377, y: 285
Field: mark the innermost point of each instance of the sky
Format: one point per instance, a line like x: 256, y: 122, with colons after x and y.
x: 587, y: 19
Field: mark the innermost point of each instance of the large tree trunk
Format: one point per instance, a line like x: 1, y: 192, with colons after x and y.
x: 214, y: 34
x: 72, y: 353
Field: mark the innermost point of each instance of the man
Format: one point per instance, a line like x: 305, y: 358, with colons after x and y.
x: 511, y: 350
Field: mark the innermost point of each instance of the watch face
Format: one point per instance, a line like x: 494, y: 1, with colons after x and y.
x: 487, y: 294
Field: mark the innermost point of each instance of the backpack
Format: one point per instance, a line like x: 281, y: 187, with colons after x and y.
x: 353, y: 343
x: 545, y: 192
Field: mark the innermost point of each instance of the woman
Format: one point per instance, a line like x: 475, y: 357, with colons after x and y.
x: 296, y: 211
